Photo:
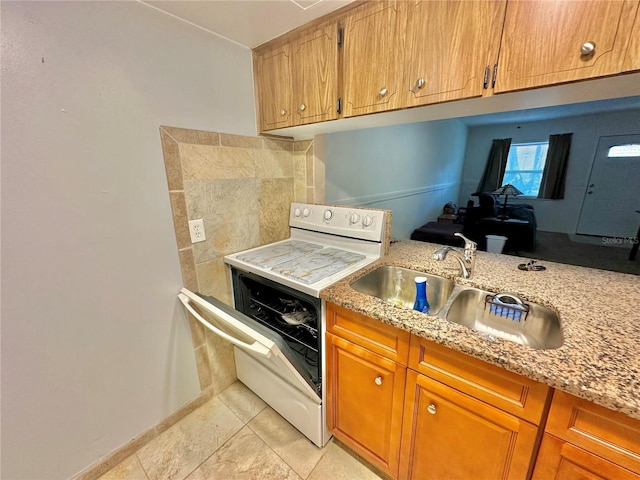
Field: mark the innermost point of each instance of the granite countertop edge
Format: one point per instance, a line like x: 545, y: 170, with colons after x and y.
x: 599, y: 360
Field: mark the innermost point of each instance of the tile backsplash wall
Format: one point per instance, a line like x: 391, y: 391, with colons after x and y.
x: 242, y: 188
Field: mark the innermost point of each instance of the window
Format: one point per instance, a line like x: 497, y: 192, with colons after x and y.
x: 624, y: 151
x: 525, y: 165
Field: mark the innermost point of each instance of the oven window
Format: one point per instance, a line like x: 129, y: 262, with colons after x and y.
x: 295, y: 316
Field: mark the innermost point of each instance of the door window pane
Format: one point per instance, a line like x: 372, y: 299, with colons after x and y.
x: 624, y: 151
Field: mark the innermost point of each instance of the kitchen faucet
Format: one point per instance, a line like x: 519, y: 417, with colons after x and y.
x: 467, y: 260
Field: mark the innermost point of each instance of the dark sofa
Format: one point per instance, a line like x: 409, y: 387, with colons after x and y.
x: 519, y: 228
x: 481, y: 220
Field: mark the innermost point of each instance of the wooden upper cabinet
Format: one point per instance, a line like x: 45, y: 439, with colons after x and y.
x: 632, y: 58
x: 273, y: 86
x: 315, y: 75
x: 450, y: 46
x: 373, y: 52
x: 556, y: 41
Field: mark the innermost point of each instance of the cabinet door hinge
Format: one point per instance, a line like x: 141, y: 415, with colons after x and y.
x: 340, y: 36
x: 495, y: 75
x: 487, y: 73
x: 339, y: 105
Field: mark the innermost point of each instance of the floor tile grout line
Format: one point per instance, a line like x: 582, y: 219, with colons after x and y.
x: 276, y: 453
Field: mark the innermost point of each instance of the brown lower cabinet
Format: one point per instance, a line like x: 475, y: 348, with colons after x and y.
x: 560, y: 460
x: 419, y: 410
x: 450, y: 435
x: 366, y: 395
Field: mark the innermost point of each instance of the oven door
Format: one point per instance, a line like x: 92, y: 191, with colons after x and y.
x: 262, y: 344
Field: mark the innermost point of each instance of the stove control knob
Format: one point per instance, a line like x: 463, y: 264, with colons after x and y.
x: 328, y: 215
x: 354, y: 218
x: 306, y: 212
x: 367, y: 221
x: 297, y: 212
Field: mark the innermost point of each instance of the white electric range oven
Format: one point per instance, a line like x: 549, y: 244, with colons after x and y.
x: 278, y: 324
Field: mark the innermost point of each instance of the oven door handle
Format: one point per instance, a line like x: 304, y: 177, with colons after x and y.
x: 255, y: 347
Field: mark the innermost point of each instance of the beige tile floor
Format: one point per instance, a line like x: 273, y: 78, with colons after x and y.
x: 237, y: 436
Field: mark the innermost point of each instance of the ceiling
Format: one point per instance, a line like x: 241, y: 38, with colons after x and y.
x: 248, y: 22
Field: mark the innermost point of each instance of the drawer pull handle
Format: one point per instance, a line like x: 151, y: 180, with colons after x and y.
x: 378, y: 380
x: 431, y: 409
x: 283, y: 112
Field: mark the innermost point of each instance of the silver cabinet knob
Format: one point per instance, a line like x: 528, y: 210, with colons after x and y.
x: 383, y: 91
x: 378, y: 380
x: 431, y: 409
x: 302, y: 107
x: 420, y: 82
x: 283, y: 112
x: 588, y: 48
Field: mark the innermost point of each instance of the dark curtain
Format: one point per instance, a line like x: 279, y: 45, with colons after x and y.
x: 496, y: 163
x: 555, y: 167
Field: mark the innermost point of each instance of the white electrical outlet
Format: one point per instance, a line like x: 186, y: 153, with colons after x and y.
x: 196, y: 230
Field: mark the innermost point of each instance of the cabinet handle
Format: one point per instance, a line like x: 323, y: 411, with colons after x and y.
x: 418, y: 85
x: 302, y: 107
x: 378, y: 380
x: 431, y: 409
x: 587, y: 49
x: 383, y: 91
x: 283, y: 112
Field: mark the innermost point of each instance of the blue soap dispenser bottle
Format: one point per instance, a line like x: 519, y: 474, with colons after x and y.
x: 421, y: 304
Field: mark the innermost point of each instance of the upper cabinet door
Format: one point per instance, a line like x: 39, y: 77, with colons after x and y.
x: 372, y: 58
x: 451, y: 45
x: 632, y: 58
x: 273, y: 87
x: 554, y: 41
x: 315, y: 75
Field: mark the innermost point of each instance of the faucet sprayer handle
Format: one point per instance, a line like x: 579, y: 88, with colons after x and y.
x: 468, y: 244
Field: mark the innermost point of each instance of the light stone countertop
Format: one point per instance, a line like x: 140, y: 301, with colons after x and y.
x: 599, y: 312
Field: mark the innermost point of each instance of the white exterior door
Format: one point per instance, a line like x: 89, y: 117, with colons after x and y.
x: 613, y: 192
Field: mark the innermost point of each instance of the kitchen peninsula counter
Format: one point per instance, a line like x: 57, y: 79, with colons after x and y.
x: 598, y: 310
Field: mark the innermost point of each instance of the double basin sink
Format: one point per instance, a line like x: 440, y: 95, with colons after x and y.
x: 493, y: 315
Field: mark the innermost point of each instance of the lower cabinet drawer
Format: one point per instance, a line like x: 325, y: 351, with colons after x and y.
x: 558, y: 459
x: 608, y: 434
x: 508, y: 391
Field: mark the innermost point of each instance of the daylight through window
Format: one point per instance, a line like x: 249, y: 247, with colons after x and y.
x: 624, y: 151
x: 525, y: 166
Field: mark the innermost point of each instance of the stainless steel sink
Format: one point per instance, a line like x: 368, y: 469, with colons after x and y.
x: 397, y: 285
x: 538, y: 328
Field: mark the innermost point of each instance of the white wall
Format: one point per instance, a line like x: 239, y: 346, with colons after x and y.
x: 551, y: 215
x: 94, y: 348
x: 412, y: 169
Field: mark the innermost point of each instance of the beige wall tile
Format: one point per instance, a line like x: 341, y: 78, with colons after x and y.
x: 240, y: 141
x: 221, y: 361
x: 197, y: 332
x: 274, y: 164
x: 276, y: 196
x: 183, y: 447
x: 230, y: 212
x: 172, y: 166
x: 180, y: 220
x: 188, y: 269
x: 277, y: 144
x: 309, y: 162
x: 244, y: 456
x: 214, y: 279
x: 203, y: 162
x: 302, y: 145
x: 198, y: 137
x: 183, y: 411
x: 202, y: 364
